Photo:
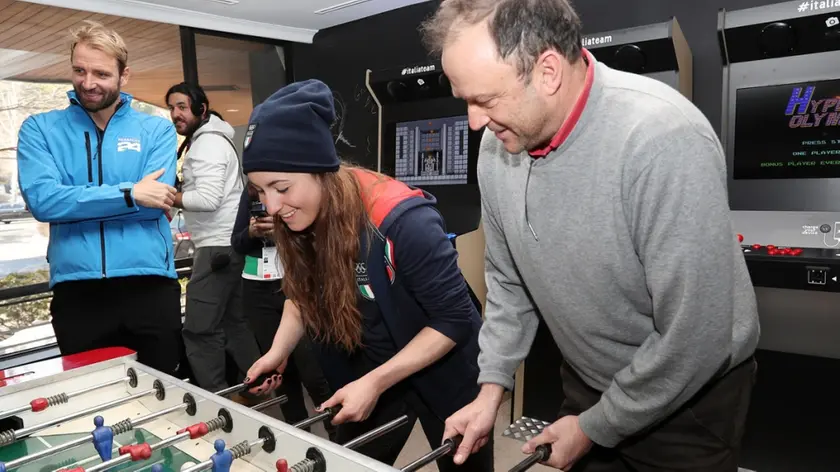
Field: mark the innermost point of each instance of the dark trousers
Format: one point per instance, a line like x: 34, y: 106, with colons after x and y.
x: 702, y: 436
x: 214, y: 320
x: 263, y: 305
x: 399, y: 401
x: 139, y: 313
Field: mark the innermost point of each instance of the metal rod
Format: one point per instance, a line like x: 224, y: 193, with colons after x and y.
x: 233, y: 389
x: 376, y: 432
x: 447, y: 447
x: 46, y: 452
x: 314, y: 419
x: 542, y: 453
x: 10, y: 436
x: 86, y: 439
x: 152, y: 416
x: 122, y: 459
x: 62, y: 397
x: 96, y: 387
x: 208, y: 464
x: 274, y: 401
x: 14, y: 411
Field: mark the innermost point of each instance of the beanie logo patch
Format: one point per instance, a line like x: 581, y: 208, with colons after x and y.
x: 249, y: 134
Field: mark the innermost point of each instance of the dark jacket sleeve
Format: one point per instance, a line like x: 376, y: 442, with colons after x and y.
x: 427, y: 266
x: 239, y: 239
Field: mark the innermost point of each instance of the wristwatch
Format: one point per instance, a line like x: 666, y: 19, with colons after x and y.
x: 126, y: 189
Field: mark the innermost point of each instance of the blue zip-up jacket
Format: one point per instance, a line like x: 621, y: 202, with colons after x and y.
x: 72, y: 175
x: 415, y: 280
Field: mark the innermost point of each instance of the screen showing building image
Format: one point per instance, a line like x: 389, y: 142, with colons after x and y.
x: 432, y: 152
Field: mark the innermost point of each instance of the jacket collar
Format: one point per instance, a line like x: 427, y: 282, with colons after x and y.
x: 124, y: 100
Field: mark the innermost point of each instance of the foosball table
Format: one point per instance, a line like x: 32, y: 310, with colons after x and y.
x: 113, y: 413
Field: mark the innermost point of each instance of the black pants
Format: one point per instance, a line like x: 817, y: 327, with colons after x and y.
x: 214, y: 321
x: 263, y: 306
x: 139, y: 313
x: 702, y: 436
x: 399, y: 401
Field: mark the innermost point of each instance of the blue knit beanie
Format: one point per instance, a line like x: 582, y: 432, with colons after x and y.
x: 290, y: 131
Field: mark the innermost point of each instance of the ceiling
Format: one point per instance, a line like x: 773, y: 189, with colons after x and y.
x: 290, y: 20
x: 34, y: 48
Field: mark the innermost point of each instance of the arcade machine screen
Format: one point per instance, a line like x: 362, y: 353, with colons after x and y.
x: 788, y: 131
x: 432, y: 152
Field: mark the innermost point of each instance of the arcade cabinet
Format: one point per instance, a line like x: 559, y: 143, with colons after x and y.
x: 781, y: 132
x: 658, y: 51
x: 425, y: 141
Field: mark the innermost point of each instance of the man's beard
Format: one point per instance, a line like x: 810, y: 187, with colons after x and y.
x: 108, y: 99
x: 191, y: 127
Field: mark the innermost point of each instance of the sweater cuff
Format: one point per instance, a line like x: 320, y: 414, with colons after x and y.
x: 497, y: 378
x: 594, y: 424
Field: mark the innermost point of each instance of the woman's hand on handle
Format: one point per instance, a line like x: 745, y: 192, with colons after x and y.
x: 274, y: 361
x: 357, y: 400
x: 269, y: 364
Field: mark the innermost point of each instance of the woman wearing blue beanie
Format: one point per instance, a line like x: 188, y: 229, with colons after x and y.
x: 371, y: 276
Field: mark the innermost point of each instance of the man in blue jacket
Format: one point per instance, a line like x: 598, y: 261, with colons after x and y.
x: 102, y: 175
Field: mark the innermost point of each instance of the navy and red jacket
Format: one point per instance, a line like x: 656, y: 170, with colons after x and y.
x: 413, y: 273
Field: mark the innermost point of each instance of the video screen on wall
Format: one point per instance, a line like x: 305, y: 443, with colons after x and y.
x: 432, y: 152
x: 788, y: 131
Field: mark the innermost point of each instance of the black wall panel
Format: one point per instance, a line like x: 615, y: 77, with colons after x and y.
x: 339, y: 56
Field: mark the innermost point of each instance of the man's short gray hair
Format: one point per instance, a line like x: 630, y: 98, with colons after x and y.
x: 521, y: 29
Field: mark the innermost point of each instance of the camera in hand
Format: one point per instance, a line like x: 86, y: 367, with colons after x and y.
x: 258, y: 210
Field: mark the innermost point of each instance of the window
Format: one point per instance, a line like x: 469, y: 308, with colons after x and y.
x: 237, y: 73
x: 35, y: 78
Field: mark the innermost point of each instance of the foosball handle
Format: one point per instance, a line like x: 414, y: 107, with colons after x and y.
x: 223, y: 458
x: 103, y: 438
x: 542, y: 453
x: 257, y: 381
x: 453, y: 443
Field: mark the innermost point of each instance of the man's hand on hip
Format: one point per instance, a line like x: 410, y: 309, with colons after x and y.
x: 474, y: 422
x: 153, y: 194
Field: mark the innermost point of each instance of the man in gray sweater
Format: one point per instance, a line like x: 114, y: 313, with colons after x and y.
x: 605, y: 213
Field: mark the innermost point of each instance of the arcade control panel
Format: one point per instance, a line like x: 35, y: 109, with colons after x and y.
x: 794, y: 268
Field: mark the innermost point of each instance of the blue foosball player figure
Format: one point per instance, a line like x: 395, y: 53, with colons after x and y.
x: 223, y: 458
x: 103, y: 438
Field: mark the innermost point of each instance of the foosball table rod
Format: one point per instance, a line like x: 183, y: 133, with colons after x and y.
x: 542, y: 453
x: 315, y: 461
x: 102, y: 436
x: 239, y: 387
x: 140, y: 452
x: 448, y: 447
x: 10, y: 436
x: 324, y: 415
x: 274, y: 401
x: 222, y: 459
x: 42, y: 403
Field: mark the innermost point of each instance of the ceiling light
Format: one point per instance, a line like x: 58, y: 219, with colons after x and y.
x: 340, y: 6
x: 232, y: 110
x: 226, y: 2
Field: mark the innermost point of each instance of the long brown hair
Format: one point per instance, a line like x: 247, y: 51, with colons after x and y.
x: 320, y: 263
